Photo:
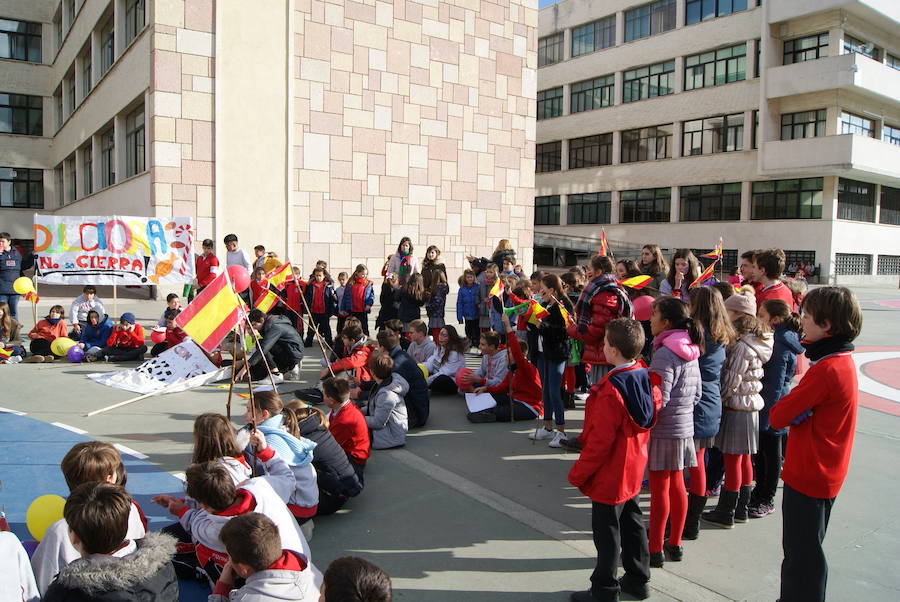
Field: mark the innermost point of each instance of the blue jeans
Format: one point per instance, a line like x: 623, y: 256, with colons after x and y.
x: 551, y: 392
x: 13, y: 302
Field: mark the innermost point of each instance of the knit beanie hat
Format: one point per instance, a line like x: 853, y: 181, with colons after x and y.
x: 127, y: 317
x: 741, y: 303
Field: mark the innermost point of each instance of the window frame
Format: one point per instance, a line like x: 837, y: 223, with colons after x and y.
x: 889, y: 211
x: 649, y: 20
x: 135, y: 152
x: 820, y: 49
x: 602, y: 88
x: 716, y: 67
x: 850, y: 197
x: 549, y: 107
x: 888, y: 265
x: 87, y: 169
x: 135, y: 19
x: 27, y: 180
x: 107, y: 158
x: 638, y: 75
x: 29, y: 41
x: 851, y: 123
x: 638, y: 145
x: 890, y: 134
x: 598, y: 203
x: 545, y: 208
x: 710, y: 196
x: 727, y: 138
x: 26, y: 110
x: 602, y: 34
x: 595, y: 144
x: 786, y: 199
x: 892, y: 61
x: 799, y: 119
x: 107, y: 46
x: 718, y: 9
x: 863, y: 258
x: 853, y: 45
x: 544, y: 162
x: 640, y: 205
x: 556, y: 42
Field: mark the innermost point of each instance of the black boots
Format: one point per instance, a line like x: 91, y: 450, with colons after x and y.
x: 740, y: 511
x: 568, y: 401
x: 723, y: 515
x: 696, y: 504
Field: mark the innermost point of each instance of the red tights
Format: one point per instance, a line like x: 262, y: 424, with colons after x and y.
x: 668, y: 500
x: 698, y: 474
x: 738, y: 471
x: 435, y: 333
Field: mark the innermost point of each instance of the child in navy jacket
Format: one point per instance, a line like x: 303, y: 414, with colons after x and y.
x: 322, y: 303
x: 467, y: 306
x: 359, y: 297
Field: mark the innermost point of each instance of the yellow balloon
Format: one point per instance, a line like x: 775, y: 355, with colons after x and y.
x: 43, y: 512
x: 23, y: 285
x: 61, y: 345
x: 424, y: 370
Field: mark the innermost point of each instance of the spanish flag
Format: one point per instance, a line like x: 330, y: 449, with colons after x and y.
x: 604, y: 245
x: 497, y: 289
x: 212, y: 314
x: 267, y: 302
x: 706, y: 275
x: 636, y: 282
x: 715, y: 253
x: 280, y: 276
x: 5, y: 353
x: 536, y: 312
x: 32, y: 296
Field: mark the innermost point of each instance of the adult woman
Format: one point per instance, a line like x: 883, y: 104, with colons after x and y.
x: 684, y: 270
x: 10, y: 269
x: 654, y: 265
x: 503, y: 251
x: 403, y: 262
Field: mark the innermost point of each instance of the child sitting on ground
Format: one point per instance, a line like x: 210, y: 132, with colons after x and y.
x: 10, y: 329
x: 126, y: 341
x: 446, y: 361
x: 385, y: 411
x: 353, y: 579
x: 86, y: 462
x: 44, y: 333
x: 174, y: 334
x: 421, y: 346
x: 396, y: 326
x: 271, y: 573
x: 112, y: 565
x: 346, y: 423
x: 171, y: 303
x: 215, y: 441
x: 618, y: 415
x: 493, y: 365
x: 95, y: 332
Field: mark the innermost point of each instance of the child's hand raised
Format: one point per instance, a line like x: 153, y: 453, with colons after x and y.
x: 258, y: 440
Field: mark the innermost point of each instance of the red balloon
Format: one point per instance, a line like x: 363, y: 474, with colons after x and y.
x: 158, y: 336
x: 240, y: 278
x: 643, y: 308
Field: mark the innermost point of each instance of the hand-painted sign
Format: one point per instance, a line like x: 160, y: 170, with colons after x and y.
x: 113, y: 249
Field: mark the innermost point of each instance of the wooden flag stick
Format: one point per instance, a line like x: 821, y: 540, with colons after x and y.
x: 233, y: 363
x: 322, y: 344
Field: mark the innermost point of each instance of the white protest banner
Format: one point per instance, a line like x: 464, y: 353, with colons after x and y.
x: 180, y: 368
x: 115, y: 249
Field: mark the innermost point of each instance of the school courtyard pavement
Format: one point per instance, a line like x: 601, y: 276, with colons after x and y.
x: 474, y: 510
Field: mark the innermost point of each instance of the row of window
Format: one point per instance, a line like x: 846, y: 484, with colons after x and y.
x: 810, y: 124
x: 774, y: 199
x: 704, y: 70
x: 857, y: 264
x: 640, y: 22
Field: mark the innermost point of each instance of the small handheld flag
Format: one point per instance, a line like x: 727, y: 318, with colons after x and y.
x: 536, y: 312
x: 516, y: 309
x: 280, y: 276
x: 497, y: 289
x: 636, y: 282
x: 267, y: 302
x: 32, y: 296
x: 705, y: 275
x: 5, y: 353
x: 715, y: 253
x: 604, y: 245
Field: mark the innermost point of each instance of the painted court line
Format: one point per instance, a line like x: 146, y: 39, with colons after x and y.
x: 130, y: 452
x: 69, y: 428
x: 14, y: 412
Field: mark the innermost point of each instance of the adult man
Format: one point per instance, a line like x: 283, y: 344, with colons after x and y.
x: 281, y: 345
x: 10, y: 269
x: 417, y: 401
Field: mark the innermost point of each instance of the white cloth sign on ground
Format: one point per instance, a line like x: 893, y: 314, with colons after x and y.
x: 180, y: 368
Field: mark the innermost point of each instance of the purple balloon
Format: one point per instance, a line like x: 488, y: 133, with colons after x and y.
x: 75, y: 354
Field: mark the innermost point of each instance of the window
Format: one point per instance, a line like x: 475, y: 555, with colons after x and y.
x: 589, y: 208
x: 107, y: 46
x: 21, y: 114
x: 856, y: 200
x: 70, y: 5
x: 58, y: 31
x: 852, y: 264
x: 86, y: 83
x: 755, y: 129
x: 711, y: 202
x: 590, y: 151
x: 648, y: 82
x: 594, y: 36
x: 787, y: 199
x: 58, y: 102
x: 546, y: 210
x: 888, y: 265
x: 854, y: 45
x: 592, y: 94
x: 716, y: 67
x: 134, y: 19
x: 648, y: 205
x: 713, y: 135
x: 548, y: 157
x: 107, y: 158
x: 795, y: 258
x: 134, y: 142
x: 550, y: 49
x: 20, y: 40
x: 701, y: 10
x: 649, y: 20
x: 23, y: 188
x: 71, y: 181
x: 809, y: 48
x: 890, y: 206
x: 87, y: 169
x: 70, y: 90
x: 893, y: 62
x: 647, y: 144
x: 854, y: 124
x: 890, y: 134
x: 807, y: 124
x: 549, y: 103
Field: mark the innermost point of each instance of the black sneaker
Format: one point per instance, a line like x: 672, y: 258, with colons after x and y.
x: 571, y: 444
x: 633, y: 587
x: 481, y: 417
x: 311, y: 396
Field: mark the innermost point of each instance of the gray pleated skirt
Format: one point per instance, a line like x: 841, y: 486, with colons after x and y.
x: 704, y: 443
x: 738, y: 433
x: 671, y: 454
x: 436, y: 323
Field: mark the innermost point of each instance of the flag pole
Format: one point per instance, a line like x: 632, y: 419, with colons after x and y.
x: 233, y: 365
x: 262, y: 354
x: 322, y: 344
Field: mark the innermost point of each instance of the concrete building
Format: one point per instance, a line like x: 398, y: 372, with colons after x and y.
x: 323, y: 129
x: 680, y: 121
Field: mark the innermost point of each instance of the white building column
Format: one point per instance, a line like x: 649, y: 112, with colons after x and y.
x: 614, y: 207
x: 119, y: 24
x: 749, y: 130
x: 620, y: 27
x: 877, y: 211
x: 95, y: 57
x: 679, y: 74
x: 677, y: 139
x: 96, y: 169
x: 119, y: 134
x: 616, y: 147
x: 79, y: 172
x: 564, y: 151
x: 567, y: 44
x: 829, y: 197
x: 79, y: 86
x: 680, y: 10
x: 675, y: 204
x: 563, y: 209
x: 746, y: 200
x: 566, y: 99
x: 619, y: 87
x: 835, y: 41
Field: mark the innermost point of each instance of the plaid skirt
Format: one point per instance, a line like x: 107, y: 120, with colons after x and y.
x: 436, y: 323
x: 704, y: 443
x: 671, y: 454
x: 738, y: 433
x: 598, y: 371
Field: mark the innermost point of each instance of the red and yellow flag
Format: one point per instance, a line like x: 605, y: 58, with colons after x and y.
x: 5, y: 353
x: 705, y: 275
x: 536, y: 312
x: 280, y: 276
x: 497, y: 289
x: 715, y: 253
x: 32, y: 296
x: 212, y: 314
x: 636, y: 282
x: 267, y: 302
x: 604, y: 245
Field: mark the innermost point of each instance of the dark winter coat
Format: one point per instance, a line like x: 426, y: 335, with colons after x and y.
x: 334, y: 472
x: 96, y: 336
x: 467, y: 303
x: 778, y: 373
x: 278, y: 329
x: 430, y: 272
x: 708, y: 412
x: 434, y: 307
x: 10, y: 269
x: 409, y: 309
x: 554, y: 340
x: 417, y: 400
x: 389, y: 306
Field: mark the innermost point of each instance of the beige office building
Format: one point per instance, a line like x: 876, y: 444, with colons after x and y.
x: 680, y: 121
x: 322, y: 129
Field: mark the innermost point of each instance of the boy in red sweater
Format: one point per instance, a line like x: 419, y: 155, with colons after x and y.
x: 618, y: 415
x: 346, y: 423
x: 126, y: 341
x: 522, y: 380
x: 769, y: 265
x: 822, y: 413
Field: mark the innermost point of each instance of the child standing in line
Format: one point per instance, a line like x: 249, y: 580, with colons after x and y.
x: 437, y: 299
x: 741, y: 383
x: 45, y: 332
x: 388, y: 299
x: 292, y: 292
x: 488, y: 277
x: 676, y: 347
x: 778, y: 373
x: 617, y: 419
x: 412, y: 297
x: 322, y: 303
x: 821, y: 412
x: 359, y: 297
x: 258, y: 286
x: 339, y: 293
x: 421, y: 346
x: 431, y: 267
x: 467, y: 302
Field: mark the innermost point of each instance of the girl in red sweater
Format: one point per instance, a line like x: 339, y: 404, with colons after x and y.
x: 45, y: 332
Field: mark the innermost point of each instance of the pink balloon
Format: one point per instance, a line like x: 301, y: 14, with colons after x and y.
x: 643, y: 308
x: 240, y: 278
x: 158, y: 336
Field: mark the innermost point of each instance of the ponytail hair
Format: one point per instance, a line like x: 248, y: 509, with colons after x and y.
x: 779, y: 309
x: 675, y: 312
x: 296, y: 412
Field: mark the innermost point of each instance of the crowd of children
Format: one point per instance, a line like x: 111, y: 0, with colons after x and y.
x: 700, y: 389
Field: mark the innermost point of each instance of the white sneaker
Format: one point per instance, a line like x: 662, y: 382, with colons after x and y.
x: 540, y: 433
x: 14, y: 359
x: 277, y: 378
x: 557, y: 437
x: 294, y: 373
